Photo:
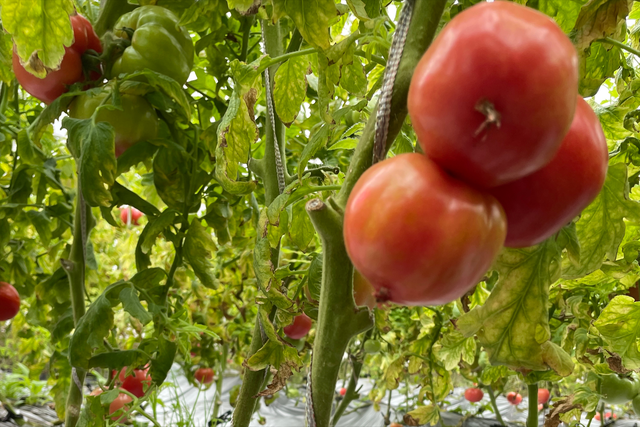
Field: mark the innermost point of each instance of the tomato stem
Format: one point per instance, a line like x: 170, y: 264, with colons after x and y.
x: 426, y: 17
x: 494, y: 405
x: 532, y: 418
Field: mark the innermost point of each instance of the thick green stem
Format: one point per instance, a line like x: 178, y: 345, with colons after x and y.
x: 253, y: 382
x: 532, y: 418
x: 110, y: 11
x: 75, y: 268
x: 338, y: 318
x: 494, y: 405
x: 426, y: 17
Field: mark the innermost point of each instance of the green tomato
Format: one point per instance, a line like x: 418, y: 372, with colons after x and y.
x: 137, y: 121
x: 636, y: 405
x: 372, y: 347
x: 616, y: 390
x: 158, y: 43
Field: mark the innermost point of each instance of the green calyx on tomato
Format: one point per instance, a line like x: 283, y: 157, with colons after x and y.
x: 157, y: 43
x: 506, y: 118
x: 616, y: 391
x: 408, y: 225
x: 137, y: 121
x: 71, y: 70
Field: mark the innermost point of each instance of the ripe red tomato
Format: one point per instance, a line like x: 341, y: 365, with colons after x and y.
x: 343, y: 391
x: 70, y: 72
x: 514, y: 398
x: 607, y: 415
x: 540, y: 407
x: 419, y: 236
x: 539, y: 205
x: 501, y: 56
x: 363, y: 292
x: 204, y: 375
x: 135, y: 215
x: 9, y: 301
x: 299, y: 328
x: 395, y: 425
x: 136, y: 382
x: 118, y: 403
x: 543, y: 395
x: 473, y: 395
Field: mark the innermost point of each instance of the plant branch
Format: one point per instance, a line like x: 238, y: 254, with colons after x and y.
x: 338, y: 317
x: 532, y: 417
x: 426, y: 17
x: 494, y: 405
x: 351, y: 393
x: 621, y: 45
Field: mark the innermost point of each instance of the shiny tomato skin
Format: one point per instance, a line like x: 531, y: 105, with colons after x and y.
x: 299, y: 328
x: 514, y: 398
x: 135, y: 383
x: 9, y: 301
x: 543, y: 396
x: 135, y: 215
x: 70, y: 72
x: 539, y: 205
x: 473, y: 395
x: 419, y: 236
x: 513, y: 57
x: 204, y: 375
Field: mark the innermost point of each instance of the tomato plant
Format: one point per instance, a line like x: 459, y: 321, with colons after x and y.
x: 403, y: 249
x: 9, y: 301
x: 539, y: 205
x: 543, y: 396
x: 129, y: 215
x: 136, y: 121
x: 299, y: 328
x: 505, y: 119
x: 473, y: 395
x: 514, y: 398
x: 71, y: 70
x: 204, y: 375
x: 156, y: 36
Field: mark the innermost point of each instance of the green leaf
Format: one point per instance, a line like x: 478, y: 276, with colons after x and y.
x: 149, y: 278
x: 301, y: 230
x: 344, y: 144
x: 119, y: 359
x: 453, y: 347
x: 244, y: 6
x: 599, y: 18
x: 597, y: 63
x: 359, y: 9
x: 161, y: 364
x: 177, y: 99
x: 513, y: 324
x: 564, y: 12
x: 170, y: 176
x: 619, y: 326
x: 131, y: 304
x: 198, y: 248
x: 6, y: 53
x: 318, y: 140
x: 27, y: 150
x: 392, y: 374
x: 601, y: 226
x: 49, y: 20
x: 290, y: 88
x: 354, y: 79
x: 42, y: 223
x: 155, y: 227
x: 312, y: 19
x: 93, y: 145
x: 429, y: 415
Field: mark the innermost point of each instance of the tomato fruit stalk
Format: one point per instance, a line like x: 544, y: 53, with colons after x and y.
x: 506, y: 117
x: 71, y: 71
x: 409, y: 227
x: 9, y: 301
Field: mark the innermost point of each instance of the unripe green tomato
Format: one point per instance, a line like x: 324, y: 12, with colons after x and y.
x: 372, y: 347
x: 636, y: 405
x: 137, y: 121
x: 616, y: 390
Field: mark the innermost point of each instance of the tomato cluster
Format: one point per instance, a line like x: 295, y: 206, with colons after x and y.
x: 511, y: 155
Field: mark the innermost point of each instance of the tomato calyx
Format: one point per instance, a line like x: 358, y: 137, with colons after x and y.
x: 382, y: 295
x: 492, y: 117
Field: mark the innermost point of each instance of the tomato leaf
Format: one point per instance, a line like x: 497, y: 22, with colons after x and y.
x: 311, y: 18
x: 119, y: 359
x: 163, y: 360
x: 50, y: 20
x: 597, y: 63
x: 244, y: 6
x: 564, y: 12
x: 131, y: 304
x: 599, y: 19
x: 198, y: 249
x: 319, y: 138
x: 290, y: 88
x: 619, y: 326
x: 601, y: 226
x: 513, y: 323
x: 354, y: 80
x: 453, y: 347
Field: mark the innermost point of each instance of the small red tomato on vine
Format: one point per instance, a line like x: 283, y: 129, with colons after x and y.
x: 506, y: 117
x: 543, y: 395
x: 136, y: 382
x: 9, y: 301
x: 408, y: 226
x: 120, y: 403
x: 540, y: 406
x: 473, y: 395
x: 514, y: 398
x: 56, y: 82
x: 204, y: 375
x: 135, y: 215
x: 343, y: 391
x: 539, y: 205
x: 299, y: 328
